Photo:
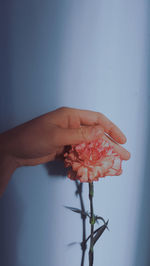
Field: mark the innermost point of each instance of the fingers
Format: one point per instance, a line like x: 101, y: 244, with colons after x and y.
x: 88, y: 120
x: 70, y: 117
x: 91, y: 118
x: 111, y: 129
x: 71, y: 136
x: 84, y: 134
x: 124, y: 154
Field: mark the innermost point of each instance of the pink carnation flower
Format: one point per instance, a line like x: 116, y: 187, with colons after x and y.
x: 88, y: 162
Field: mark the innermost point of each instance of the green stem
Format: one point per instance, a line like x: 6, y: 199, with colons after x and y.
x: 92, y: 222
x: 83, y: 217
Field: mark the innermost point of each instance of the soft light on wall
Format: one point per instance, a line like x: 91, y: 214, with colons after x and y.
x: 82, y: 54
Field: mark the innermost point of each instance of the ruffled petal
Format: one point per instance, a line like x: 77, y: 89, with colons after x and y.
x: 93, y: 160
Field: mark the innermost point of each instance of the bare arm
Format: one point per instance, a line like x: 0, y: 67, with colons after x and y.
x: 43, y: 138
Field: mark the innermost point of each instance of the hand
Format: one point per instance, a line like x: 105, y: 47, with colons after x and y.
x: 44, y: 138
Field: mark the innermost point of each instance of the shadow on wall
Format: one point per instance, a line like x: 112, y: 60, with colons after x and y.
x: 6, y: 107
x: 12, y: 210
x: 56, y: 168
x: 142, y: 255
x: 12, y: 207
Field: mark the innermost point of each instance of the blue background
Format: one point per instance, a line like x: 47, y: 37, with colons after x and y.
x: 89, y: 55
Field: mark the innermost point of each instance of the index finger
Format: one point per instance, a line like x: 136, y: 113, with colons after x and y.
x: 94, y: 118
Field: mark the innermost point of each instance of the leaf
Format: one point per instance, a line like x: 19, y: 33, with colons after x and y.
x: 77, y: 211
x: 90, y: 235
x: 99, y: 218
x: 99, y: 232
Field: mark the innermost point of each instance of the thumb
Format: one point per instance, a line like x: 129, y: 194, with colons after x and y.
x: 71, y: 136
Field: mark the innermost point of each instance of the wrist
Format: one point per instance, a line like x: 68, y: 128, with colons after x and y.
x: 7, y: 168
x: 8, y: 165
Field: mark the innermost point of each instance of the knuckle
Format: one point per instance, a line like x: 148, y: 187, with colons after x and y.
x: 99, y: 117
x: 66, y: 108
x: 63, y: 108
x: 83, y: 133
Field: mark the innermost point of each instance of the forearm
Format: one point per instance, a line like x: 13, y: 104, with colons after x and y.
x: 7, y: 165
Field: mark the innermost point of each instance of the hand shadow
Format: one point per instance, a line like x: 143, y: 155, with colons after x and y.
x: 56, y: 168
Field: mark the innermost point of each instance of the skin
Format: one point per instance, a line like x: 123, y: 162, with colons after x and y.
x: 45, y: 138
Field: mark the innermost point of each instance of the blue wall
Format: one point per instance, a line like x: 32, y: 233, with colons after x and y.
x: 89, y: 55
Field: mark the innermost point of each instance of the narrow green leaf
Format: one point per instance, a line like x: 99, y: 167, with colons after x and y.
x: 99, y: 218
x: 77, y: 211
x: 99, y: 232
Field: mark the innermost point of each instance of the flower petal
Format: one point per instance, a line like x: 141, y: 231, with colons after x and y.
x: 91, y: 161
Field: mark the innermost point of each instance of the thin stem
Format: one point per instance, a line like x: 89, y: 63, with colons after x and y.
x: 83, y: 217
x: 92, y: 221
